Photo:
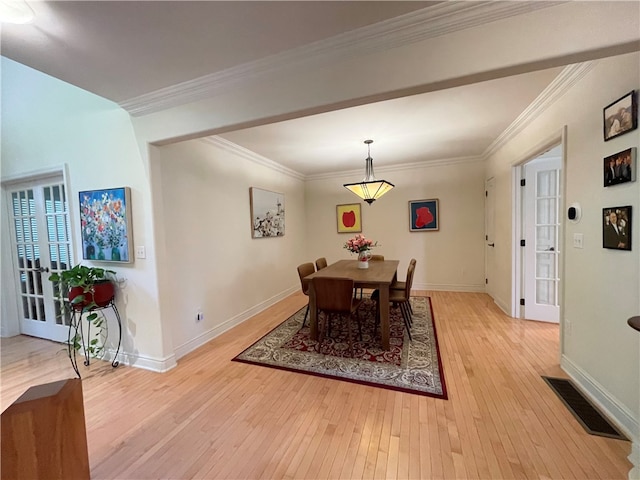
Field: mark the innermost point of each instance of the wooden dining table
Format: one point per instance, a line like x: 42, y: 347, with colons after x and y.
x: 379, y: 275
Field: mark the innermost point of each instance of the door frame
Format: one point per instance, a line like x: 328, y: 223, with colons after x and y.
x: 489, y: 183
x: 9, y: 319
x: 559, y: 137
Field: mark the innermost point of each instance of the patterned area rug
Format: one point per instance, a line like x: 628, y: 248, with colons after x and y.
x: 409, y: 366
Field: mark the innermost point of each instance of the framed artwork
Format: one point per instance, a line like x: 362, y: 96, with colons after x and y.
x: 267, y: 213
x: 616, y: 228
x: 620, y: 167
x: 423, y: 215
x: 620, y: 116
x: 349, y: 218
x: 105, y: 223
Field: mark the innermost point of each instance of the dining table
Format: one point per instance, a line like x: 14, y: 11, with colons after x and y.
x: 380, y: 275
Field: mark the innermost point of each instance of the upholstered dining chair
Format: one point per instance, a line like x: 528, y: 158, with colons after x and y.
x: 334, y: 298
x: 402, y: 285
x: 321, y: 263
x: 401, y: 299
x: 304, y: 270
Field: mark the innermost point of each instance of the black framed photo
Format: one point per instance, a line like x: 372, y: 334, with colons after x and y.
x: 616, y: 228
x: 620, y: 116
x: 620, y: 167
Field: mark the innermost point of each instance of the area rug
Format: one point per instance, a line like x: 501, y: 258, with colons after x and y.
x: 409, y: 366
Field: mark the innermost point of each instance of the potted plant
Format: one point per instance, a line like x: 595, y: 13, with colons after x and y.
x: 87, y: 288
x: 84, y: 289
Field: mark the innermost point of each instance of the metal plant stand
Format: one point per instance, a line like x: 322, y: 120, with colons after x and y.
x: 76, y: 326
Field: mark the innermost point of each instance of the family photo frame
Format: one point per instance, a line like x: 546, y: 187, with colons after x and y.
x: 105, y: 225
x: 620, y: 167
x: 267, y: 213
x: 349, y: 218
x: 621, y: 116
x: 424, y: 215
x: 616, y: 228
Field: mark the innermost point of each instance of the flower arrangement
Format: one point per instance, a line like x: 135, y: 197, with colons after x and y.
x: 359, y: 244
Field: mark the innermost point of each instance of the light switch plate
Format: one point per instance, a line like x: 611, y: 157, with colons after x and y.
x: 578, y: 240
x: 140, y: 252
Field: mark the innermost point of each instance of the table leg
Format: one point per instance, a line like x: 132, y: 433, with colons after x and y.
x: 313, y: 317
x: 384, y: 315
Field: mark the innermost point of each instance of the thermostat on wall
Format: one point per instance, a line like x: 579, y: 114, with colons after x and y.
x: 574, y: 213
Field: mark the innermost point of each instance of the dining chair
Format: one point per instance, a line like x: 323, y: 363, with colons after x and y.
x: 304, y: 270
x: 321, y: 263
x: 401, y: 299
x: 334, y: 298
x: 402, y: 285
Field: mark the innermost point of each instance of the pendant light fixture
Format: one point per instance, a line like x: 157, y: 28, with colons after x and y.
x: 369, y: 189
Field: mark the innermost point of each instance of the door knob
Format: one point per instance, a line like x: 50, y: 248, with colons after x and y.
x: 42, y: 269
x: 491, y: 244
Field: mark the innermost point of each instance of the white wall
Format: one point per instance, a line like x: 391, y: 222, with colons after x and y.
x: 449, y: 259
x: 47, y: 123
x: 601, y: 287
x: 212, y: 262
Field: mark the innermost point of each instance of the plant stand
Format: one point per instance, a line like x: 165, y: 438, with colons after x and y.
x: 76, y: 326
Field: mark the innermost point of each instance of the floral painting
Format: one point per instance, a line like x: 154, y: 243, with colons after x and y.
x: 423, y: 215
x: 105, y: 222
x: 267, y: 213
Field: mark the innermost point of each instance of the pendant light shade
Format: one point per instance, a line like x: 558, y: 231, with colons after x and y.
x: 369, y: 189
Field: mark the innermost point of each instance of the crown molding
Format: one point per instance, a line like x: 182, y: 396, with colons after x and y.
x: 440, y: 162
x: 569, y: 76
x: 251, y: 156
x: 440, y: 19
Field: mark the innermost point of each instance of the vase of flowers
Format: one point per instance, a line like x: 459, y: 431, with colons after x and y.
x: 363, y: 259
x: 362, y: 246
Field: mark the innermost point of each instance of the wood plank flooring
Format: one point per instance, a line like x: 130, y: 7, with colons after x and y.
x: 211, y: 418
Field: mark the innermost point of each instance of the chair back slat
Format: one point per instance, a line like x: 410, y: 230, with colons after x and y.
x: 376, y: 258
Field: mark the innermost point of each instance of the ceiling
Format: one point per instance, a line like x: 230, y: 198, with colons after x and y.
x: 121, y: 50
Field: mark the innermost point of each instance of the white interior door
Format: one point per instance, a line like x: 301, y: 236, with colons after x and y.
x: 41, y: 245
x: 541, y: 234
x: 489, y: 228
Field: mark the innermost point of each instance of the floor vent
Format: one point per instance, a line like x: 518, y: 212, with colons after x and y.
x: 590, y: 418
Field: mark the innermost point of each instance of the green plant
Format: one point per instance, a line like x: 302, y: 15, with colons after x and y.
x: 77, y: 293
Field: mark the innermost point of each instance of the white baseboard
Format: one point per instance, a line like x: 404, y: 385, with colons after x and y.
x: 617, y: 413
x: 444, y: 287
x: 147, y: 363
x: 209, y: 335
x: 162, y: 365
x: 502, y: 306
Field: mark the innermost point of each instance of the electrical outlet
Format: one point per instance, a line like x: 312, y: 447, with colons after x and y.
x: 140, y: 252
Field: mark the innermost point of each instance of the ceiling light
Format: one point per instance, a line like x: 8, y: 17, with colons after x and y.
x: 369, y: 189
x: 15, y: 11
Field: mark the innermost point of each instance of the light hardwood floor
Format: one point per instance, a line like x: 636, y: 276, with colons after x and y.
x: 213, y: 418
